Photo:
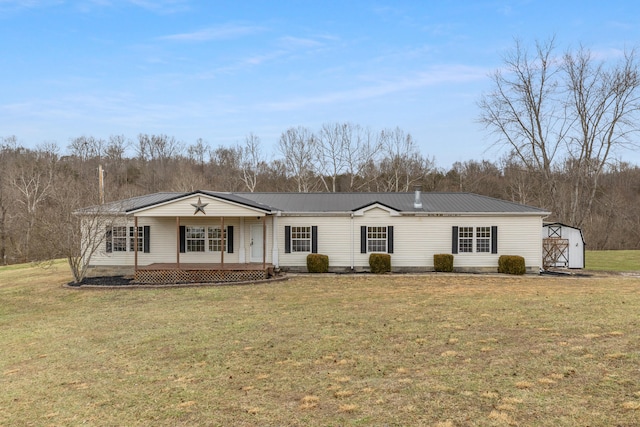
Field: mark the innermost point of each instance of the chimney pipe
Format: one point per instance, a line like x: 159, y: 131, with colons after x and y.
x: 417, y: 202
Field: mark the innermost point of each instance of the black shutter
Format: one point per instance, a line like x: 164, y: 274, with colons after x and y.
x: 314, y: 239
x: 287, y: 239
x: 183, y: 238
x: 230, y: 239
x: 107, y: 236
x: 390, y: 239
x: 494, y: 239
x: 363, y: 239
x: 454, y: 239
x: 146, y: 243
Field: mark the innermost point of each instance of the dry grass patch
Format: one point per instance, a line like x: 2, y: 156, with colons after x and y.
x: 631, y: 406
x: 323, y: 350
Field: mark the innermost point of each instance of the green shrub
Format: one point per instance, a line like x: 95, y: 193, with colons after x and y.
x: 511, y: 264
x: 380, y: 263
x: 443, y: 262
x: 317, y: 263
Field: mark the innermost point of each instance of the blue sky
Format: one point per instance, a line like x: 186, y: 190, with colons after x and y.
x: 220, y: 70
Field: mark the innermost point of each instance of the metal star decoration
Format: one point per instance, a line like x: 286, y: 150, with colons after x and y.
x: 199, y: 206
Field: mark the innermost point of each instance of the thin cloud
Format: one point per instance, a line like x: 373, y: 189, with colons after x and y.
x: 440, y: 75
x: 222, y: 32
x: 299, y: 42
x: 164, y: 6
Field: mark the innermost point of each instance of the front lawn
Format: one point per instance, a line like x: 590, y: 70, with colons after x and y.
x: 613, y: 260
x: 434, y: 349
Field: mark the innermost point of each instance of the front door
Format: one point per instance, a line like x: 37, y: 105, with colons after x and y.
x: 256, y: 243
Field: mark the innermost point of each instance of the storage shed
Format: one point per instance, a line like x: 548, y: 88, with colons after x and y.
x: 562, y: 246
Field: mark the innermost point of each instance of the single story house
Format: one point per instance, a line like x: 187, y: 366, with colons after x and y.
x: 225, y: 232
x: 562, y: 246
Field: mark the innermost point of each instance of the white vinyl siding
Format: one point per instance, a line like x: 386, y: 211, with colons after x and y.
x: 416, y: 238
x: 215, y: 209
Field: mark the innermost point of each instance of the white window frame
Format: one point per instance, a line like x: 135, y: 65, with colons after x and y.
x: 483, y: 240
x: 377, y: 239
x: 465, y: 239
x: 132, y: 238
x: 215, y: 238
x: 473, y: 239
x: 195, y: 238
x: 300, y: 238
x: 119, y: 241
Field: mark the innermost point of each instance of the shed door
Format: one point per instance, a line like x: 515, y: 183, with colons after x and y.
x: 256, y: 243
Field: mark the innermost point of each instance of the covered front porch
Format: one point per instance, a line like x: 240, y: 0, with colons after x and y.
x: 165, y: 273
x: 201, y: 238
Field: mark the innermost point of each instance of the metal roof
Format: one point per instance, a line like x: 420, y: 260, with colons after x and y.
x: 434, y: 203
x: 401, y: 202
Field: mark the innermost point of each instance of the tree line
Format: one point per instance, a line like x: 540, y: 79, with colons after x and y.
x: 40, y: 188
x: 558, y: 119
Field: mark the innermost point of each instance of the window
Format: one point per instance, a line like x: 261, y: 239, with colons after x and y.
x: 215, y: 236
x: 376, y: 239
x: 465, y: 239
x: 123, y: 239
x: 300, y: 239
x: 483, y: 239
x: 132, y: 239
x: 119, y: 239
x: 475, y: 239
x: 195, y: 238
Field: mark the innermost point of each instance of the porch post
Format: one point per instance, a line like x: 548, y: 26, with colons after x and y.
x: 274, y: 251
x: 135, y: 244
x: 224, y: 243
x: 178, y: 241
x: 264, y: 242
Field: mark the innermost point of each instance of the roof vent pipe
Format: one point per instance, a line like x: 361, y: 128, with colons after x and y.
x: 417, y: 202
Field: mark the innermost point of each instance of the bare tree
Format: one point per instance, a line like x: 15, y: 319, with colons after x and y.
x: 116, y: 148
x: 603, y: 104
x: 32, y: 179
x: 86, y: 147
x: 7, y: 146
x: 523, y: 110
x: 363, y: 149
x: 198, y: 152
x: 402, y: 166
x: 330, y: 155
x: 563, y: 113
x: 297, y: 145
x: 251, y: 160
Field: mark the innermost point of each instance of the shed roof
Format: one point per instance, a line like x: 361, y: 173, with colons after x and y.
x: 432, y: 203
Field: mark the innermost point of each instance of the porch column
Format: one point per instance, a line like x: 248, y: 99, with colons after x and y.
x: 242, y: 249
x: 224, y: 243
x: 274, y: 250
x: 264, y: 242
x: 178, y: 241
x: 135, y: 244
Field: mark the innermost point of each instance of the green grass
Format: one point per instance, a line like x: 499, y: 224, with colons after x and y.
x: 613, y: 260
x: 435, y: 350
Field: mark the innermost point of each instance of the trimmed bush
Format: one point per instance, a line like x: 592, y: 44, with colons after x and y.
x: 443, y: 263
x: 380, y: 263
x: 511, y: 264
x: 317, y: 263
